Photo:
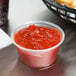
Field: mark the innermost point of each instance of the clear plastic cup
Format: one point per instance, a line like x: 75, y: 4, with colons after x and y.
x: 39, y: 58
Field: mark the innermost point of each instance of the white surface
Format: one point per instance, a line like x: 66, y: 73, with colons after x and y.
x: 22, y: 11
x: 5, y: 40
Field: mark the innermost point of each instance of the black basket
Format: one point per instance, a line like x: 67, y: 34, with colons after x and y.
x: 62, y: 11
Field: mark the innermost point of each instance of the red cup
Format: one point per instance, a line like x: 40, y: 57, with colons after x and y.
x: 39, y: 58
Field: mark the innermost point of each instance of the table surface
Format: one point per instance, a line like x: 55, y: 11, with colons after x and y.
x: 21, y: 12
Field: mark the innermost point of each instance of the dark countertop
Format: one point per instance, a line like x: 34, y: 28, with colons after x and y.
x: 10, y: 65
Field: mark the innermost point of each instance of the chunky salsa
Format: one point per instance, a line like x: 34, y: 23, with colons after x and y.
x: 37, y: 37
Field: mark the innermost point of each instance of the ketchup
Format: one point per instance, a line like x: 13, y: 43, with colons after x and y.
x: 37, y: 37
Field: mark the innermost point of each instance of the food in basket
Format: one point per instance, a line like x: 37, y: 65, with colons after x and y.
x: 68, y: 3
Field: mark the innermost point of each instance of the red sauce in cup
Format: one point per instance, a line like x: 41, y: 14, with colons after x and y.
x: 37, y: 37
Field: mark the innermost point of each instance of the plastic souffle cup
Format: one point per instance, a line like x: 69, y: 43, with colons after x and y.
x: 39, y: 58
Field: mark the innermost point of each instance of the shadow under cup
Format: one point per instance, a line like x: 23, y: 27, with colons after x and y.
x: 39, y: 58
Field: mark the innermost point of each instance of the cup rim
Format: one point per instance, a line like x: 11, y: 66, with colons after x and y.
x: 34, y: 22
